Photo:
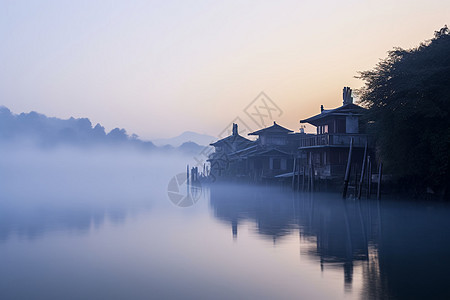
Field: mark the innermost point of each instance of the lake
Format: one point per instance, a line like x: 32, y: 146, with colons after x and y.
x: 102, y: 225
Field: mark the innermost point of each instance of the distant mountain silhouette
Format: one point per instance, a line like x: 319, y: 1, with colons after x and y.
x: 44, y: 131
x: 187, y: 136
x: 190, y: 148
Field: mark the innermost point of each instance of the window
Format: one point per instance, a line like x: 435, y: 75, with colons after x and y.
x: 276, y: 163
x: 283, y: 164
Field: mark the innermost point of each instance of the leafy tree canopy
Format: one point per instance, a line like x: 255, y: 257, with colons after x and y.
x: 408, y: 99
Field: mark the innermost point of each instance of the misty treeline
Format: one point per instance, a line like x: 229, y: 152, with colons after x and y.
x: 408, y: 99
x: 39, y: 130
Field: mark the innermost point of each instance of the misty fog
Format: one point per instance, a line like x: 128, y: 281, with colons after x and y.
x: 72, y: 188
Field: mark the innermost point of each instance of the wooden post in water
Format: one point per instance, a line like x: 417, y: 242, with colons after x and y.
x: 369, y: 177
x: 195, y: 174
x: 347, y: 170
x: 303, y: 180
x: 312, y: 177
x: 380, y: 175
x: 363, y: 171
x: 187, y: 175
x: 298, y: 175
x: 293, y: 173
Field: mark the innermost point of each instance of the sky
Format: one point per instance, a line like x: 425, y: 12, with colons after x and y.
x: 159, y: 68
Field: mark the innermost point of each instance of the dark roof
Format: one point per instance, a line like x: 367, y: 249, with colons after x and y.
x: 275, y: 128
x: 343, y: 110
x: 231, y: 139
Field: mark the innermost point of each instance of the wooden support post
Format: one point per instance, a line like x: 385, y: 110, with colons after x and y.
x: 298, y: 175
x: 293, y: 173
x: 304, y: 178
x: 347, y: 170
x: 380, y: 175
x: 363, y: 171
x: 369, y: 177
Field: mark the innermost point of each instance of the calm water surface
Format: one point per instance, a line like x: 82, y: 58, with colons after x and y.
x: 78, y: 226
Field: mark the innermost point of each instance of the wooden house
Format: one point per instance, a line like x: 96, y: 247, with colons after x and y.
x: 221, y: 160
x: 327, y: 151
x: 274, y: 154
x: 269, y: 156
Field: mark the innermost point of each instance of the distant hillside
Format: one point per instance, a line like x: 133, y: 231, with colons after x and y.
x: 187, y: 136
x: 44, y: 131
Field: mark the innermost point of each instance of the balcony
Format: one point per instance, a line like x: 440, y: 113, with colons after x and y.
x: 334, y: 140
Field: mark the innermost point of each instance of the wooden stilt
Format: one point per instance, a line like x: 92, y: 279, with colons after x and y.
x: 369, y: 177
x: 293, y: 173
x: 363, y: 172
x: 303, y: 180
x: 347, y: 170
x: 380, y: 175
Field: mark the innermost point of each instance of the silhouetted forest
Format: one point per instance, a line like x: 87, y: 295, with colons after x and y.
x: 408, y: 99
x: 39, y: 130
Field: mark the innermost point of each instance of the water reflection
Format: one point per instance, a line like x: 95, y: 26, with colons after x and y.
x: 74, y: 191
x: 35, y: 222
x: 400, y: 248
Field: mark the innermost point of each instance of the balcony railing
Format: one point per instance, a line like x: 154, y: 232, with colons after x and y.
x: 334, y: 139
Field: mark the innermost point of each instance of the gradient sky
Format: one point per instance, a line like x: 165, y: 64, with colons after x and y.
x: 158, y: 68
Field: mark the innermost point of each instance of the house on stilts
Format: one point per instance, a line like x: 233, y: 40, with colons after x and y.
x: 279, y: 154
x: 270, y: 155
x: 327, y: 150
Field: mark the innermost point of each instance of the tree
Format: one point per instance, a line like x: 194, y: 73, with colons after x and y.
x: 408, y: 99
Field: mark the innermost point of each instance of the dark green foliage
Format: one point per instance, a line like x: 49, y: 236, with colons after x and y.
x: 408, y: 100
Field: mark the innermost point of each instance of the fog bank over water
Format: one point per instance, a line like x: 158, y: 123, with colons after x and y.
x: 98, y: 224
x: 72, y: 188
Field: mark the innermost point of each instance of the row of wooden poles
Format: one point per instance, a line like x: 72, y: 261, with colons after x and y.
x: 366, y: 168
x: 308, y: 175
x: 193, y: 178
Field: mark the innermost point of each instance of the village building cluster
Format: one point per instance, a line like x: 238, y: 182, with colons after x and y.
x: 280, y: 154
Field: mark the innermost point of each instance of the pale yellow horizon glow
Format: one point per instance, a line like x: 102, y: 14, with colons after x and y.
x: 161, y: 68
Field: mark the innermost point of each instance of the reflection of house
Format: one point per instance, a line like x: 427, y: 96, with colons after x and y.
x: 328, y: 150
x: 335, y: 232
x: 272, y: 214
